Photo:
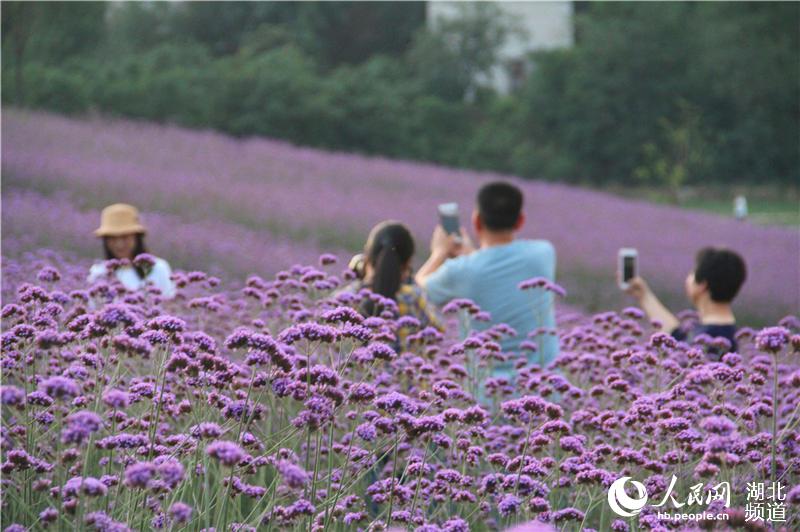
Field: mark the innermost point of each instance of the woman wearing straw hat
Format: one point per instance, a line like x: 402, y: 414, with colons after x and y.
x: 123, y: 238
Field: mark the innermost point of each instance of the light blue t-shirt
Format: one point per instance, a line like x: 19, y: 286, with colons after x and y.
x: 490, y: 277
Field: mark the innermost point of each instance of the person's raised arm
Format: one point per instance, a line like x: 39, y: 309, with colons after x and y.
x: 443, y: 247
x: 651, y: 305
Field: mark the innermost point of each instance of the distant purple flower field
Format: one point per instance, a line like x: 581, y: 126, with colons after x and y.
x: 238, y: 207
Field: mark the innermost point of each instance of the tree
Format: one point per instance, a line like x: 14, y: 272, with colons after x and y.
x: 67, y: 29
x: 19, y: 19
x: 222, y: 26
x: 332, y: 32
x: 747, y: 81
x: 450, y: 56
x: 591, y: 109
x: 680, y: 155
x: 351, y: 32
x: 49, y: 32
x: 136, y: 27
x: 601, y: 101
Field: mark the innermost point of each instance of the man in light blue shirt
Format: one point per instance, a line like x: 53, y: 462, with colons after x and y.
x: 490, y: 276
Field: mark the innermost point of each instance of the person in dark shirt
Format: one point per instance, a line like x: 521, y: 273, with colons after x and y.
x: 718, y: 275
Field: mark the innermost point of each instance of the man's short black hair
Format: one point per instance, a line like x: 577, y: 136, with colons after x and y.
x: 499, y: 205
x: 723, y: 270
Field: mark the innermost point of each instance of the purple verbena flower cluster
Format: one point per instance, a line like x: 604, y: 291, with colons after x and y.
x: 282, y: 406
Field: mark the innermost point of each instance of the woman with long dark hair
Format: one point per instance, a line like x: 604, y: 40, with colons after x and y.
x: 385, y: 268
x: 123, y: 239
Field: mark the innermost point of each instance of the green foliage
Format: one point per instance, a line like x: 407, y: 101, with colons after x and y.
x: 748, y: 82
x: 276, y: 94
x: 18, y: 23
x: 493, y: 143
x: 264, y: 38
x: 135, y: 27
x: 371, y: 102
x: 451, y: 56
x: 600, y: 101
x: 58, y: 89
x: 735, y: 64
x: 167, y: 83
x: 222, y: 26
x: 333, y: 33
x: 53, y: 31
x: 439, y: 130
x: 65, y: 30
x: 680, y: 154
x: 351, y: 32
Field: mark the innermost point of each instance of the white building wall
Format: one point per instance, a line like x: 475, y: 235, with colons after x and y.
x: 544, y: 25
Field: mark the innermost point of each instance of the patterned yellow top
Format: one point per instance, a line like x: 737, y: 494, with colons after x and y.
x: 411, y: 301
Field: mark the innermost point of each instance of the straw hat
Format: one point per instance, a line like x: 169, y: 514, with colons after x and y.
x: 119, y: 219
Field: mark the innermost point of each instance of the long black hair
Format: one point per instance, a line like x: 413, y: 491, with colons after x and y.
x: 138, y: 249
x: 389, y: 249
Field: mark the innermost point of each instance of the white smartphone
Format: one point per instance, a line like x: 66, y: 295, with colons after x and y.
x: 448, y: 217
x: 628, y: 266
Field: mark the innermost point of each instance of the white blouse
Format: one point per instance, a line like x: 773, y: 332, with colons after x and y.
x: 159, y: 277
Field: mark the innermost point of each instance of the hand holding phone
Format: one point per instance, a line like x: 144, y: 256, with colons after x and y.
x: 628, y: 266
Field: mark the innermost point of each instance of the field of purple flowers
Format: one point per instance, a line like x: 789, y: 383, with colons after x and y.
x: 268, y: 402
x: 240, y: 207
x: 278, y: 406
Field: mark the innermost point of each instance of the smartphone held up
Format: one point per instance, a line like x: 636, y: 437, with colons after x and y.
x: 448, y: 217
x: 627, y: 266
